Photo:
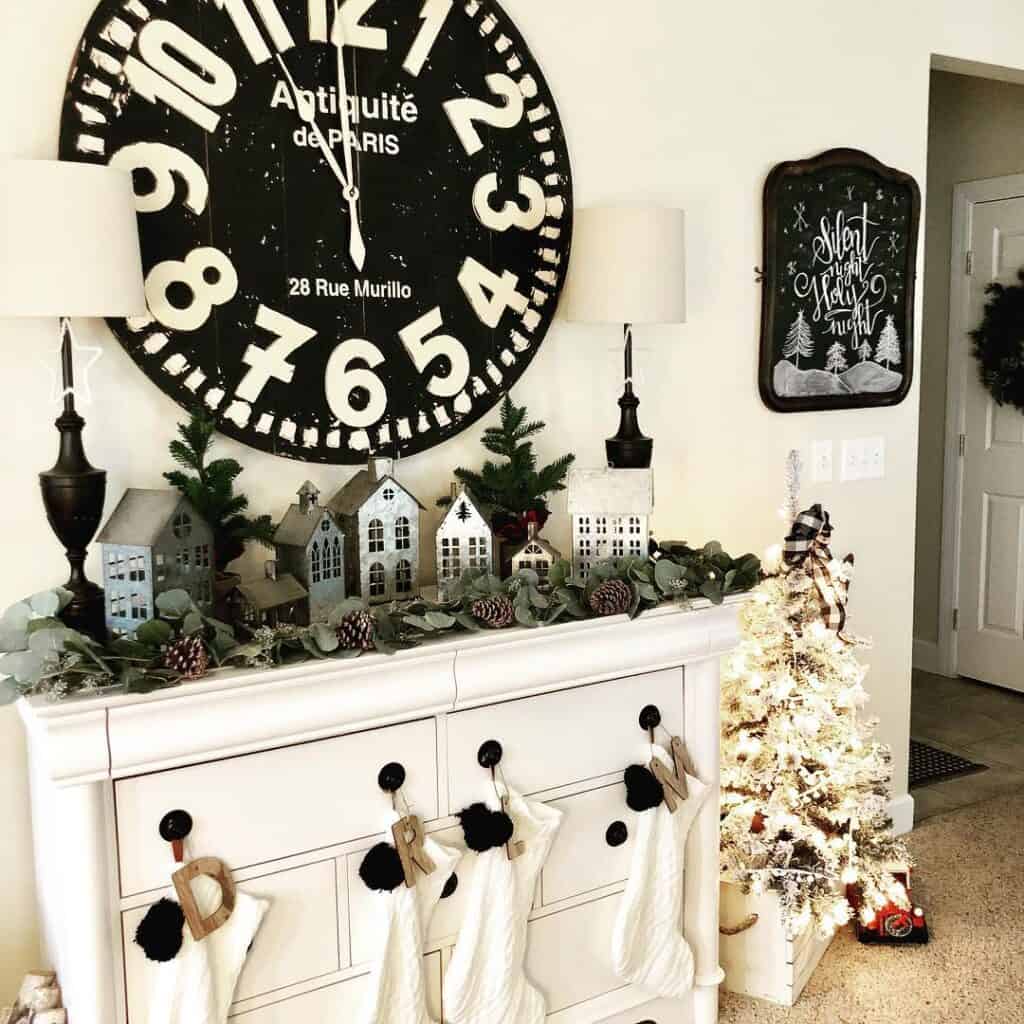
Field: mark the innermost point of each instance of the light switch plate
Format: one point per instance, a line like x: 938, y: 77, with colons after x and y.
x: 873, y: 458
x: 853, y: 460
x: 821, y: 462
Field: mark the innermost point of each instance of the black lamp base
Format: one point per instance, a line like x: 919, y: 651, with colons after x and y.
x: 629, y: 448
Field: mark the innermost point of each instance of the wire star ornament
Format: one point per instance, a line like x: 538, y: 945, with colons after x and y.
x: 84, y: 358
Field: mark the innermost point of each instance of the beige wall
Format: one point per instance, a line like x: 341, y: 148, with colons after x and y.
x: 974, y: 131
x: 664, y: 100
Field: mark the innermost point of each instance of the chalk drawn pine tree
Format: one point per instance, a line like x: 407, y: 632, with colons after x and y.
x: 865, y: 350
x: 888, y: 351
x: 798, y: 340
x: 836, y: 361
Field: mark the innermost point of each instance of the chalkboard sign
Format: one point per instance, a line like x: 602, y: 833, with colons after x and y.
x: 840, y: 256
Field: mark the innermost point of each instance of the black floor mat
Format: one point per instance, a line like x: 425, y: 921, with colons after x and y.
x: 928, y: 764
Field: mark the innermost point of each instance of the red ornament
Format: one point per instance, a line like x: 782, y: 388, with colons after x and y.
x: 757, y: 823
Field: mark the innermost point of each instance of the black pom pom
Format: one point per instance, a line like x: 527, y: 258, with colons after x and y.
x: 382, y: 868
x: 161, y: 931
x: 643, y: 790
x: 485, y: 829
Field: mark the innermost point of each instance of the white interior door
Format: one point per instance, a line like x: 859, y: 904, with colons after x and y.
x: 991, y: 633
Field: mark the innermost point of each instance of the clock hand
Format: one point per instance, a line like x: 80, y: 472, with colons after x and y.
x: 356, y: 245
x: 306, y: 110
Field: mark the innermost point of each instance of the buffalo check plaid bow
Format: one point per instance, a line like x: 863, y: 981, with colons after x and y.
x: 808, y: 543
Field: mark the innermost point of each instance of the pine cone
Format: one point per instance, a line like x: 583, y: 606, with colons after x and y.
x: 188, y: 656
x: 496, y: 612
x: 358, y: 631
x: 613, y: 597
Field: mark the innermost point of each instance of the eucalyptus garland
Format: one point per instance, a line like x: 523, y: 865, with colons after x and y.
x: 999, y: 343
x: 43, y: 656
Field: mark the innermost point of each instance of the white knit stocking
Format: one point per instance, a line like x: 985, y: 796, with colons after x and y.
x: 485, y: 982
x: 198, y: 985
x: 397, y: 988
x: 648, y: 948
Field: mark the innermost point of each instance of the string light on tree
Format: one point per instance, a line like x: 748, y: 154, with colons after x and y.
x: 804, y: 786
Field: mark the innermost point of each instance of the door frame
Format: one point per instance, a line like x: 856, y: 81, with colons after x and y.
x: 966, y: 197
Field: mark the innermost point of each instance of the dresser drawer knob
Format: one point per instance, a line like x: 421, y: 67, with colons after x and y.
x: 617, y: 833
x: 175, y: 828
x: 650, y: 718
x: 391, y: 777
x: 489, y: 755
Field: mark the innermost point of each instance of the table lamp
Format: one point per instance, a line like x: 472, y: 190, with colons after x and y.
x: 69, y: 246
x: 628, y: 267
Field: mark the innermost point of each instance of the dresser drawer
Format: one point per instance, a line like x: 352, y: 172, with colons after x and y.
x: 261, y: 807
x: 298, y: 939
x: 340, y: 1002
x: 581, y: 860
x: 568, y: 955
x: 560, y: 738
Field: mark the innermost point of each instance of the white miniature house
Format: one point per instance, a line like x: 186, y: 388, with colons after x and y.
x: 464, y: 540
x: 611, y: 515
x: 536, y: 554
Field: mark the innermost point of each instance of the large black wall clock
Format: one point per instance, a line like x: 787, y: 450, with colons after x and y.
x: 355, y: 223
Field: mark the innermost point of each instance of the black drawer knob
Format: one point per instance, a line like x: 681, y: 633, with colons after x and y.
x: 650, y: 718
x: 617, y: 833
x: 175, y: 825
x: 489, y: 755
x: 391, y: 777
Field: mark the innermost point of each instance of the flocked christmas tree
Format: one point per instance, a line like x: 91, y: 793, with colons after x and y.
x: 799, y: 341
x: 888, y: 351
x: 804, y: 786
x: 836, y: 360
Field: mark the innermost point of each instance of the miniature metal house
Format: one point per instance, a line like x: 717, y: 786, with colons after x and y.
x: 154, y: 541
x: 381, y: 523
x: 276, y: 600
x: 464, y: 540
x: 611, y: 514
x: 310, y: 547
x: 536, y: 554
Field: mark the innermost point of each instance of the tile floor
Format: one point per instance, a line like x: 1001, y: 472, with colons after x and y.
x: 982, y: 723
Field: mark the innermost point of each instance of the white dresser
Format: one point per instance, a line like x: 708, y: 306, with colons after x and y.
x: 278, y: 771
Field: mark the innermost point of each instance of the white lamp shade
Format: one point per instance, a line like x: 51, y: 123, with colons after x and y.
x: 628, y: 267
x: 69, y: 241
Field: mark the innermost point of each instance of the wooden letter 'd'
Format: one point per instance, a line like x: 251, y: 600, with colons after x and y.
x: 673, y: 783
x: 408, y: 836
x: 198, y: 925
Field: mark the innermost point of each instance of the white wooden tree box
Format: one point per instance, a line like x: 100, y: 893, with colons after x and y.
x: 761, y: 962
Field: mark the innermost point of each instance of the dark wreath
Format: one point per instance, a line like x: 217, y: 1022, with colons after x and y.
x: 999, y: 343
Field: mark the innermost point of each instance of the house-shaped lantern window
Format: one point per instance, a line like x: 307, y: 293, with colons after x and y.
x: 536, y: 554
x: 611, y: 514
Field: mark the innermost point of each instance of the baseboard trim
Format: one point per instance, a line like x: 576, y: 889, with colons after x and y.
x: 901, y: 810
x: 926, y: 656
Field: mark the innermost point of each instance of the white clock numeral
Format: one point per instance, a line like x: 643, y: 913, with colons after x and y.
x: 163, y: 162
x: 249, y: 31
x: 341, y: 380
x: 162, y: 76
x: 490, y: 295
x: 351, y: 13
x: 433, y: 16
x: 194, y: 272
x: 424, y: 349
x: 463, y: 113
x: 511, y: 214
x: 272, y: 362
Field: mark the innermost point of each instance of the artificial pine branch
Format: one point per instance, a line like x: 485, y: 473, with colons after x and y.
x: 514, y: 486
x: 211, y: 490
